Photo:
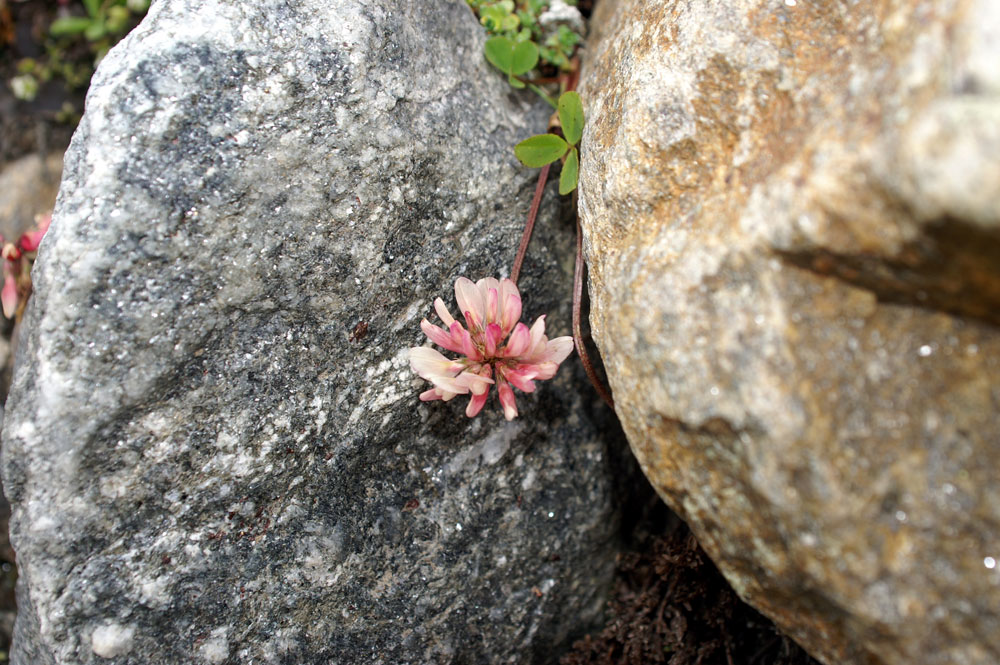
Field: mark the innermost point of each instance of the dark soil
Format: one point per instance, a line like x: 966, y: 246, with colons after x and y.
x: 27, y: 127
x: 672, y: 606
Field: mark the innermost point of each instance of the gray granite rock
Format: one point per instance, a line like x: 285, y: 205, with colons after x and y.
x: 214, y: 448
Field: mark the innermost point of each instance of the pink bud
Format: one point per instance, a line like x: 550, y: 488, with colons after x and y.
x: 9, y: 295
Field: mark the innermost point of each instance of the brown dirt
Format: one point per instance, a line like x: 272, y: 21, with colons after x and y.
x: 27, y: 127
x: 671, y: 606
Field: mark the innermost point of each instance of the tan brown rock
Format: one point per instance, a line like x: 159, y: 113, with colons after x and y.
x: 792, y: 218
x: 28, y: 188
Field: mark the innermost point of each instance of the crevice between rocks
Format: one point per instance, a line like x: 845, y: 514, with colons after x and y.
x: 951, y: 268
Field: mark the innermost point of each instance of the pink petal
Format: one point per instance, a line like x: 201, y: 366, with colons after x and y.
x: 507, y: 401
x: 439, y: 336
x: 493, y: 336
x: 521, y: 378
x: 9, y: 296
x: 519, y: 342
x: 461, y: 337
x: 510, y: 305
x: 430, y: 395
x: 471, y: 302
x: 29, y: 241
x: 476, y: 405
x: 492, y: 305
x: 442, y: 312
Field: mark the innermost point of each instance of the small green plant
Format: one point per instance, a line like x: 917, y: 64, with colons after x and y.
x: 518, y: 22
x: 516, y: 48
x: 103, y: 23
x: 546, y: 148
x: 558, y: 48
x: 107, y: 18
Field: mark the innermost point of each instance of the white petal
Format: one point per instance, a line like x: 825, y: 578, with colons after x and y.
x: 429, y: 363
x: 558, y: 349
x: 470, y: 298
x: 475, y: 383
x: 487, y: 283
x: 443, y: 313
x: 537, y: 337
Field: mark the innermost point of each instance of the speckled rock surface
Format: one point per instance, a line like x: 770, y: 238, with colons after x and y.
x: 792, y: 221
x: 214, y: 447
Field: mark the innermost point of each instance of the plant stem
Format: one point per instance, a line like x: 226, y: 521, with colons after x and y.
x: 581, y: 349
x: 536, y: 201
x: 566, y: 82
x: 541, y: 93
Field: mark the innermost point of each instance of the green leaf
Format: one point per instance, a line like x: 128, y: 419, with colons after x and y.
x: 525, y: 57
x: 571, y: 116
x: 118, y: 17
x: 500, y: 52
x: 515, y: 83
x: 68, y: 25
x: 498, y: 17
x: 92, y: 7
x: 94, y: 31
x: 540, y: 150
x: 570, y: 173
x: 567, y: 38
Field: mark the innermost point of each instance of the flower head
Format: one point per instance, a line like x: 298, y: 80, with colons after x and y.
x: 17, y: 258
x: 495, y: 347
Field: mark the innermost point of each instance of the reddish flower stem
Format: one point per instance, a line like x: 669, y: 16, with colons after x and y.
x: 567, y: 82
x: 536, y: 201
x: 581, y: 348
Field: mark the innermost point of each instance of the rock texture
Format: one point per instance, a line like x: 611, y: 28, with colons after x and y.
x: 792, y: 221
x: 214, y: 447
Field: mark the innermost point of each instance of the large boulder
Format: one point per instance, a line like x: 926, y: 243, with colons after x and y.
x: 791, y: 213
x: 214, y: 447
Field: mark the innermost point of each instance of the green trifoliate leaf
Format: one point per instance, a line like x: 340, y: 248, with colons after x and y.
x: 525, y: 57
x: 500, y: 52
x: 570, y: 172
x: 540, y: 150
x: 571, y: 116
